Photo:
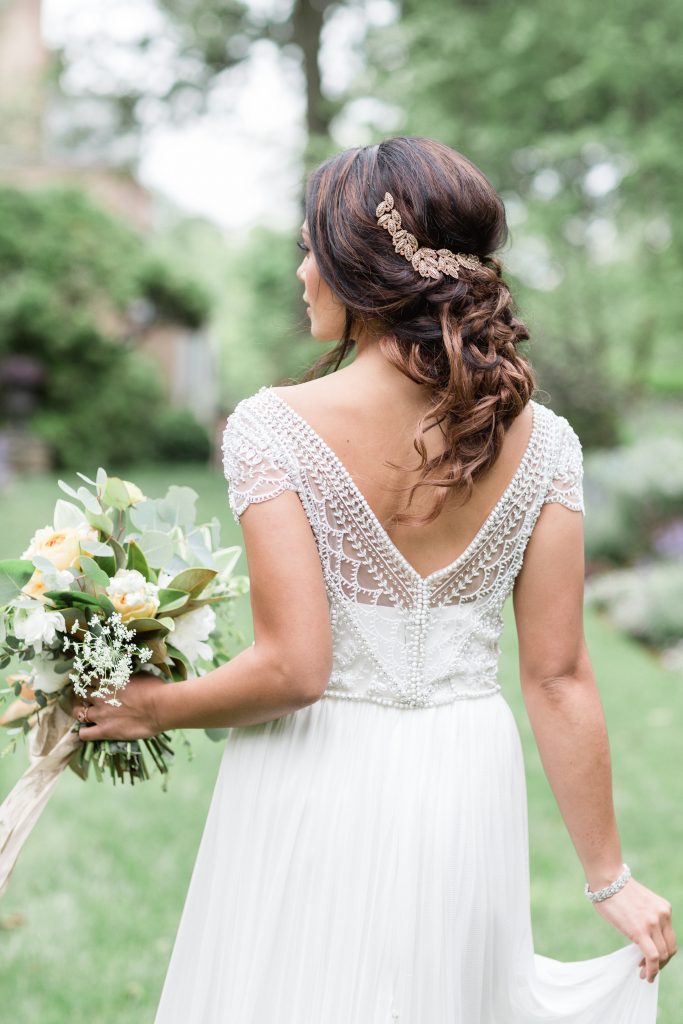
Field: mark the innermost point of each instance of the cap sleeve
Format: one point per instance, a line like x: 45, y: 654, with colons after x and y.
x: 566, y: 482
x: 256, y: 464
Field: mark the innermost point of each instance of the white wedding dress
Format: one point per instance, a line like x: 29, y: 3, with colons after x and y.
x: 365, y: 859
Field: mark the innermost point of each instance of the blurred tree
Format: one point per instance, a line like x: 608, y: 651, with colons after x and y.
x: 179, y: 63
x: 73, y: 278
x: 574, y: 119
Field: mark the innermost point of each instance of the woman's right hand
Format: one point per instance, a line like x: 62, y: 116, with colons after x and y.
x: 645, y: 918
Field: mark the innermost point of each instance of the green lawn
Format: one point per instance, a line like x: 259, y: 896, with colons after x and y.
x: 89, y: 917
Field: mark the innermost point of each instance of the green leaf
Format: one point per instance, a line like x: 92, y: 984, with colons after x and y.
x: 116, y: 493
x: 107, y: 564
x: 136, y: 559
x: 171, y: 600
x: 119, y: 553
x: 157, y: 548
x: 217, y: 734
x: 72, y: 597
x: 93, y: 572
x: 192, y: 580
x: 105, y: 604
x: 148, y: 626
x: 14, y: 575
x: 103, y: 522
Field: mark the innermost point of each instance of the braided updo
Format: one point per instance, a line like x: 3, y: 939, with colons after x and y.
x: 457, y: 337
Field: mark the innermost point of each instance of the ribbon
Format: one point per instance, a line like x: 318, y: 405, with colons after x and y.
x: 51, y: 745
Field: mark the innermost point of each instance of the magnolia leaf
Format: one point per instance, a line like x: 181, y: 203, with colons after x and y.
x: 105, y: 604
x: 119, y: 553
x: 136, y: 559
x: 167, y: 621
x: 171, y: 600
x: 192, y: 580
x: 72, y: 597
x: 147, y: 626
x: 14, y: 575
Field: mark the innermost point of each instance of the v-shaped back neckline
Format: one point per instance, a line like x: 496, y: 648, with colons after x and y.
x: 491, y: 519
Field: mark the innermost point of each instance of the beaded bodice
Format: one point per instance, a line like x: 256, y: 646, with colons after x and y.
x: 400, y: 638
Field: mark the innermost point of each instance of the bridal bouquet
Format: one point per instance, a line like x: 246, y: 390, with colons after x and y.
x: 119, y: 583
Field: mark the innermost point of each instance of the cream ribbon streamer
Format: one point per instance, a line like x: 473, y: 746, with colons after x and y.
x: 51, y: 744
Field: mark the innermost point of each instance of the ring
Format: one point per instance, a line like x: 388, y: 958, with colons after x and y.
x: 84, y: 714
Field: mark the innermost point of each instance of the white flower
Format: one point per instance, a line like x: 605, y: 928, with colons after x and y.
x: 191, y: 632
x: 44, y: 677
x: 133, y: 596
x: 37, y: 626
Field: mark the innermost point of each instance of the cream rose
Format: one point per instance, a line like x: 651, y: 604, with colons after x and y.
x: 40, y: 582
x: 133, y: 596
x: 61, y: 547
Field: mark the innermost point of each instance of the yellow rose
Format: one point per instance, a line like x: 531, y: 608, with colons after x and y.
x: 61, y: 547
x: 35, y: 586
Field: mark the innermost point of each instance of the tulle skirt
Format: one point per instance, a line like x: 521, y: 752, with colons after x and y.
x: 367, y: 864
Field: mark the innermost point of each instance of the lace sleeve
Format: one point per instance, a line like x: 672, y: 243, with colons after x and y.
x: 256, y: 465
x: 566, y: 485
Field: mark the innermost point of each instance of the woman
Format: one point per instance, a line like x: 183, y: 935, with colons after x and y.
x: 365, y: 859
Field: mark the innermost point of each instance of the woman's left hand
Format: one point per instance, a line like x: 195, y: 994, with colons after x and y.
x: 135, y: 719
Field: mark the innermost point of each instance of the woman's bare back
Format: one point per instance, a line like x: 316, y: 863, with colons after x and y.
x: 367, y: 423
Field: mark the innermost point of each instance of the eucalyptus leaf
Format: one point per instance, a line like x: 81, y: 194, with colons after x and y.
x: 93, y: 571
x: 217, y: 734
x: 67, y: 515
x: 67, y: 490
x: 89, y: 501
x: 93, y: 483
x: 157, y: 548
x: 14, y: 575
x: 116, y: 493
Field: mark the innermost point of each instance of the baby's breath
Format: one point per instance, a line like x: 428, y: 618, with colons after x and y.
x: 104, y: 658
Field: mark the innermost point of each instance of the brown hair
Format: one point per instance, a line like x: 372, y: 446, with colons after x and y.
x: 456, y: 337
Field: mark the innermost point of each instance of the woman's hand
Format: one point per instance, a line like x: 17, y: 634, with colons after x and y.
x: 645, y: 918
x: 135, y: 719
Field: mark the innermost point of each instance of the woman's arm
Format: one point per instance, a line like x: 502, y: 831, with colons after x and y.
x: 566, y: 715
x: 288, y: 665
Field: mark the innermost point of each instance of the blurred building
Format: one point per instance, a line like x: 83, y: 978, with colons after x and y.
x: 187, y: 358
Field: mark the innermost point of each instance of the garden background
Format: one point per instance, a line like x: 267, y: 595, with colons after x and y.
x: 145, y: 287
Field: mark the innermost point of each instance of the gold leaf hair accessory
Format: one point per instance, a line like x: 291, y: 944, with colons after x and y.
x: 427, y: 262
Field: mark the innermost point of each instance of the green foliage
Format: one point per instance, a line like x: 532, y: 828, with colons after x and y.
x: 631, y: 493
x: 178, y: 435
x: 177, y: 299
x: 70, y: 275
x: 646, y: 602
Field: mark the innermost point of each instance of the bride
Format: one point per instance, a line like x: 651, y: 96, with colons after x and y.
x: 365, y: 855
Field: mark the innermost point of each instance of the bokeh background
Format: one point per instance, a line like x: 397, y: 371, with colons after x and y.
x: 153, y: 156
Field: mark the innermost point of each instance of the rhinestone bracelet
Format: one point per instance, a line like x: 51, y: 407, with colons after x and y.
x: 609, y: 890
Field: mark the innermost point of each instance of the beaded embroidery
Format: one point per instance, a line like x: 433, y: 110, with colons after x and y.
x: 399, y: 638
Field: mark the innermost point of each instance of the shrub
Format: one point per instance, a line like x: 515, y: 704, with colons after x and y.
x: 179, y: 437
x: 646, y: 601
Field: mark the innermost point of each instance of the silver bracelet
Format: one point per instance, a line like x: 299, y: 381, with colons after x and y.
x: 609, y: 890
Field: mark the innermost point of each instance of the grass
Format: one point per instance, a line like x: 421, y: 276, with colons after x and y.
x: 90, y: 913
